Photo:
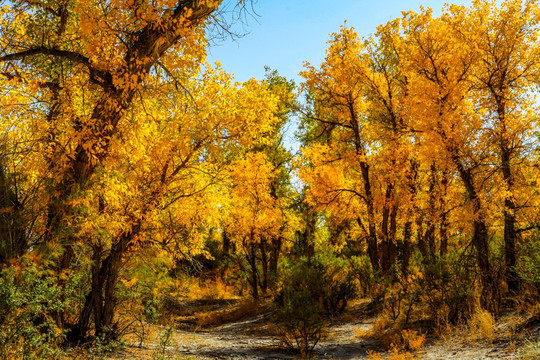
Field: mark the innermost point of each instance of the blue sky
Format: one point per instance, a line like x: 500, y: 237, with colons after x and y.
x: 287, y: 32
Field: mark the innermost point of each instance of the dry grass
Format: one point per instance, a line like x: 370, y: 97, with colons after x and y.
x: 482, y: 326
x: 399, y: 342
x: 244, y: 309
x: 395, y: 354
x: 383, y: 330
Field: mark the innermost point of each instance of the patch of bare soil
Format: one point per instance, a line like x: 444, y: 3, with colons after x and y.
x: 249, y: 337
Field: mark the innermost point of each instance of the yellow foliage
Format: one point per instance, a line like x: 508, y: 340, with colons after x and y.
x: 253, y: 211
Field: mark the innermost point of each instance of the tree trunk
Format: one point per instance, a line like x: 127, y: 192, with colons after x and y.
x: 389, y: 229
x: 420, y: 238
x: 510, y: 237
x: 480, y: 234
x: 392, y: 251
x: 480, y: 238
x: 385, y: 243
x: 444, y: 216
x: 274, y: 256
x: 226, y: 244
x: 109, y: 294
x: 510, y: 233
x: 307, y: 247
x: 373, y: 250
x: 430, y: 231
x: 252, y: 260
x: 101, y: 300
x: 264, y: 266
x: 406, y: 249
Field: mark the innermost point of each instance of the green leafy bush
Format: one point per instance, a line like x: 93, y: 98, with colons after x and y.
x: 337, y: 287
x: 299, y: 310
x: 447, y: 287
x: 28, y: 298
x: 151, y: 309
x: 528, y: 268
x: 311, y: 288
x: 360, y: 267
x: 104, y: 346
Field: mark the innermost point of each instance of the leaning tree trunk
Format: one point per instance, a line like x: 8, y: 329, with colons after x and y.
x: 480, y: 233
x: 480, y: 239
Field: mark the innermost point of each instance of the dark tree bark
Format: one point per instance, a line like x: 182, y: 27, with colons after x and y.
x: 432, y: 218
x: 480, y: 237
x: 305, y: 237
x: 264, y: 265
x: 389, y: 229
x: 509, y: 212
x: 252, y: 260
x: 274, y: 255
x: 406, y: 249
x: 444, y: 215
x: 226, y: 244
x: 101, y: 300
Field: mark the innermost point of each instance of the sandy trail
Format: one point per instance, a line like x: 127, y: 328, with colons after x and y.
x: 249, y: 338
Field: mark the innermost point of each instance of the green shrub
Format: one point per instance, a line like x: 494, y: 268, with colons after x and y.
x: 360, y: 267
x: 103, y: 346
x: 310, y: 289
x: 151, y: 309
x: 337, y: 287
x: 28, y: 298
x: 165, y: 340
x: 528, y: 268
x: 298, y: 315
x: 530, y: 350
x: 447, y: 287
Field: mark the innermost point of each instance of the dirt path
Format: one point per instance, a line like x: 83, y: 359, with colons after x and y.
x: 249, y: 338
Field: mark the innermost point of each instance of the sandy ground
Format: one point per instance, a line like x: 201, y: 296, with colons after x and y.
x: 249, y: 338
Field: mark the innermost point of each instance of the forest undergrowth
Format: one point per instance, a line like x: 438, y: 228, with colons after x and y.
x: 210, y: 324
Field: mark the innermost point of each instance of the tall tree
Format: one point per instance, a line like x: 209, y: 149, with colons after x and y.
x: 503, y: 38
x: 94, y: 64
